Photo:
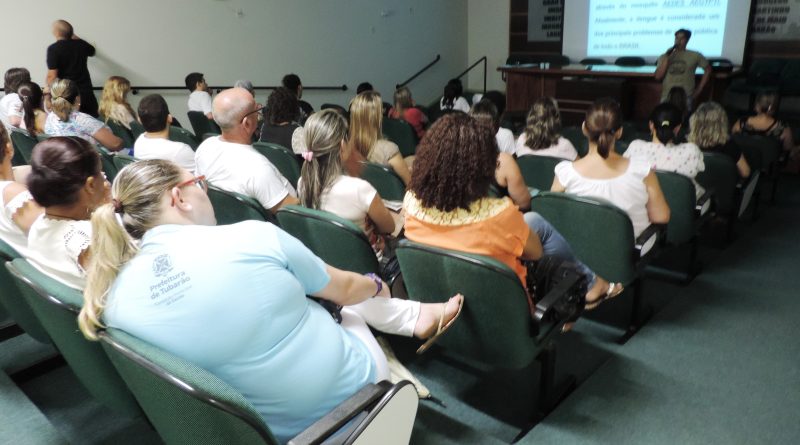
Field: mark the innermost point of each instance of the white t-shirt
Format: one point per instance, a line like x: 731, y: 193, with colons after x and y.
x: 10, y: 105
x: 686, y: 158
x: 158, y: 148
x: 460, y: 104
x: 505, y: 141
x: 348, y: 198
x: 627, y: 191
x: 9, y: 230
x: 200, y: 101
x: 54, y: 246
x: 562, y: 149
x: 240, y: 168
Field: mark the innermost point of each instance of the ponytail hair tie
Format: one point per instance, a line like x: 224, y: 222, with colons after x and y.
x: 308, y: 156
x: 665, y: 123
x: 117, y: 206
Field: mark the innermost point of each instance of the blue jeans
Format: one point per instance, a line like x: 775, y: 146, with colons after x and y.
x: 553, y: 244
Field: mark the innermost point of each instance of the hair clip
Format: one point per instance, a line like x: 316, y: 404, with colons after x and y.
x: 665, y: 123
x: 308, y: 156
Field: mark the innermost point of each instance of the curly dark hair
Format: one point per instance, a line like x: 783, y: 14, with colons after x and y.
x: 455, y: 163
x: 282, y: 106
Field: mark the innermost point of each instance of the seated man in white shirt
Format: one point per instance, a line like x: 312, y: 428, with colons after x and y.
x: 199, y: 99
x: 231, y: 163
x: 154, y: 143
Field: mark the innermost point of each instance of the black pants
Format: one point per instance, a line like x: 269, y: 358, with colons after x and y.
x: 88, y: 101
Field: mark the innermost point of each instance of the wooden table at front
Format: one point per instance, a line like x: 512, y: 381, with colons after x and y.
x: 575, y: 87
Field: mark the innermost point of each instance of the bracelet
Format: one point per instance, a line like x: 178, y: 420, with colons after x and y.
x: 378, y: 282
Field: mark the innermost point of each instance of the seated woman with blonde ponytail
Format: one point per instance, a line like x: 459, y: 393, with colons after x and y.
x: 66, y: 120
x: 603, y: 173
x: 324, y: 185
x: 232, y: 299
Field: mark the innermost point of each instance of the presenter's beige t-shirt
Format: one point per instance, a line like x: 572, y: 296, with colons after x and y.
x: 680, y: 73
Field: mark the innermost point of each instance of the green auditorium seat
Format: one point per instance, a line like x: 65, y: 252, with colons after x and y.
x: 601, y: 236
x: 107, y: 161
x: 722, y: 178
x: 121, y: 160
x: 57, y: 306
x: 12, y: 301
x: 282, y: 158
x: 538, y: 171
x: 576, y: 137
x: 42, y: 137
x: 763, y: 154
x: 402, y: 134
x: 201, y: 125
x: 121, y: 132
x: 177, y: 134
x: 188, y: 405
x: 23, y: 146
x: 495, y: 328
x: 336, y: 240
x: 385, y: 181
x: 136, y: 130
x: 231, y: 208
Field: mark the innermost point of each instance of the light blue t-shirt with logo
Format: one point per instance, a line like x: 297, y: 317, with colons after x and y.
x: 232, y: 299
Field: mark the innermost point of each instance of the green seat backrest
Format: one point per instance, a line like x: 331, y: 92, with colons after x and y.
x: 495, y: 326
x: 720, y: 176
x: 13, y: 302
x: 401, y: 133
x: 23, y: 144
x: 107, y: 161
x: 136, y: 130
x: 385, y: 181
x: 42, y: 137
x: 231, y: 208
x: 201, y: 124
x: 282, y: 158
x: 185, y: 403
x: 600, y: 233
x: 761, y: 152
x: 336, y: 240
x: 538, y: 171
x: 178, y: 134
x: 121, y: 132
x: 679, y: 191
x: 575, y: 135
x: 57, y: 306
x: 121, y: 160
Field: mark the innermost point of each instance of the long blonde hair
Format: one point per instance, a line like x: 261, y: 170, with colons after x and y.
x: 708, y: 126
x: 136, y: 193
x: 63, y: 94
x: 402, y: 101
x: 324, y: 133
x: 366, y: 119
x: 115, y: 91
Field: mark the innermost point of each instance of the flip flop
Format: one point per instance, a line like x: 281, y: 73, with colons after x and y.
x: 442, y: 328
x: 614, y: 289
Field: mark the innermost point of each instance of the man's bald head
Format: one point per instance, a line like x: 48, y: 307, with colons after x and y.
x: 62, y: 29
x: 230, y: 106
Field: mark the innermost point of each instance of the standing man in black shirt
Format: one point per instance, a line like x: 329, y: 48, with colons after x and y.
x: 66, y: 59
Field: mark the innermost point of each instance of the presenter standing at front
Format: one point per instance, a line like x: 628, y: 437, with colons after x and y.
x: 677, y: 67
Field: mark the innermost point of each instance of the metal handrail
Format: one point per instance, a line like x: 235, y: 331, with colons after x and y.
x: 485, y: 61
x: 425, y: 68
x: 136, y: 89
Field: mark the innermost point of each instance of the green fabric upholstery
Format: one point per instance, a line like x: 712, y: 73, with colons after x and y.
x: 720, y: 176
x: 761, y: 152
x: 185, y: 403
x: 231, y: 208
x: 578, y: 140
x: 121, y: 160
x: 57, y: 306
x: 401, y: 133
x: 385, y: 181
x: 495, y: 326
x: 107, y: 161
x: 136, y: 130
x: 600, y: 233
x: 23, y: 144
x: 538, y: 171
x: 178, y: 134
x: 121, y: 132
x: 42, y: 137
x: 12, y: 301
x: 680, y: 195
x: 201, y: 124
x: 336, y: 240
x: 282, y: 158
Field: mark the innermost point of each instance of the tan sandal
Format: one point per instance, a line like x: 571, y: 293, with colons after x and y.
x: 613, y: 290
x: 442, y: 327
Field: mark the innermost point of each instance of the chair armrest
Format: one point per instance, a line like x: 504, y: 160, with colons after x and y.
x: 549, y: 308
x: 342, y: 414
x: 703, y: 203
x: 649, y: 238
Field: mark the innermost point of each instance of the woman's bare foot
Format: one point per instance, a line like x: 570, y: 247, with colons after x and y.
x: 601, y: 291
x: 429, y: 314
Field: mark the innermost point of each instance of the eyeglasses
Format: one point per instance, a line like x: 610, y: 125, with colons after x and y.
x: 199, y: 181
x: 251, y: 112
